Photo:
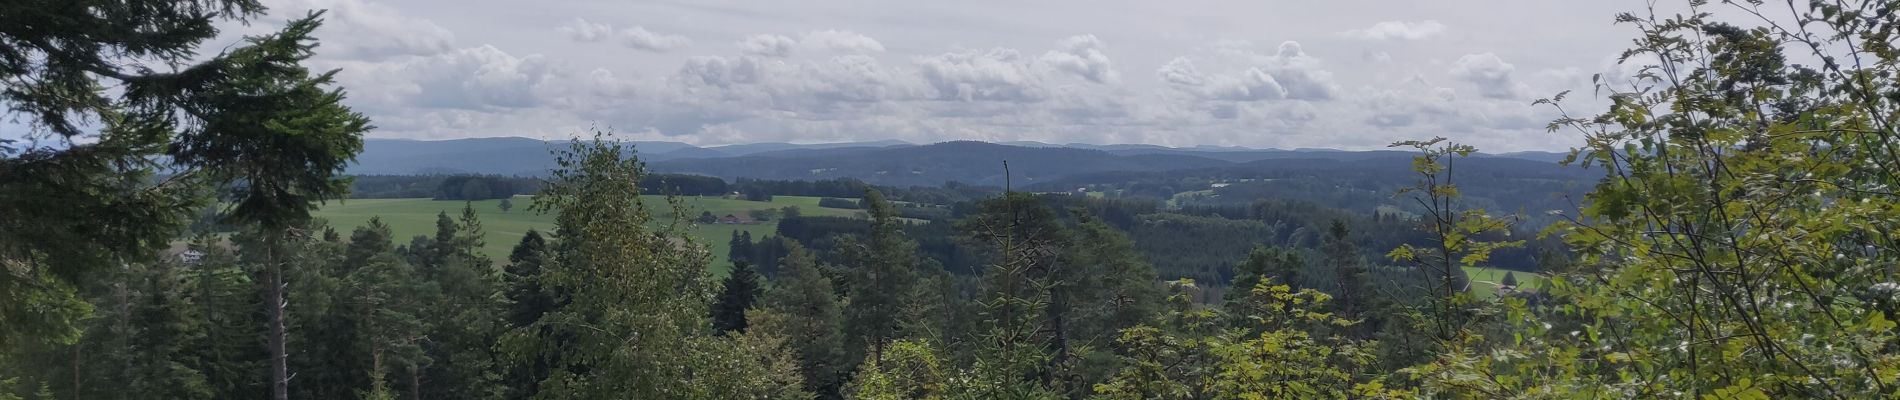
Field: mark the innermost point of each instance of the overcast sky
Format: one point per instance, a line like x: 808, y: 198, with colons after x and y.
x: 1282, y: 74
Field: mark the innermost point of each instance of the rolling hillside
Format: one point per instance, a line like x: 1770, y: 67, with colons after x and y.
x: 408, y: 218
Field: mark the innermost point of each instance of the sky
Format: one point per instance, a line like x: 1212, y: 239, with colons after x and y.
x: 1344, y: 74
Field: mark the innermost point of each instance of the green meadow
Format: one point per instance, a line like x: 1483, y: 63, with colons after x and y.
x: 408, y: 218
x: 1485, y: 281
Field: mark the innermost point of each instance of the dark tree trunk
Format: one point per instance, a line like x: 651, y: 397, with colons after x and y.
x: 415, y: 382
x: 274, y: 299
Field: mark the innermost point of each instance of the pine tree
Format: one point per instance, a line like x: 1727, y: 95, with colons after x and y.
x: 1264, y: 264
x: 464, y: 319
x: 290, y: 140
x: 1106, y: 287
x: 226, y: 299
x: 389, y: 308
x: 883, y: 269
x: 166, y: 330
x: 527, y: 299
x: 1350, y: 294
x: 1024, y: 240
x: 91, y: 154
x: 1509, y: 281
x: 736, y: 294
x: 329, y: 318
x: 251, y: 115
x: 740, y: 247
x: 802, y: 308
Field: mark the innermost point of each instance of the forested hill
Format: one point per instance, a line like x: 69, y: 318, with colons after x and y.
x: 1365, y: 184
x: 969, y: 162
x: 882, y: 162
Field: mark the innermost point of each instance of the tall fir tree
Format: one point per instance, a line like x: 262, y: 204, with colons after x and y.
x: 1351, y: 297
x: 883, y: 269
x: 465, y: 319
x: 803, y: 308
x: 527, y: 301
x: 737, y: 293
x: 1023, y: 239
x: 1272, y: 265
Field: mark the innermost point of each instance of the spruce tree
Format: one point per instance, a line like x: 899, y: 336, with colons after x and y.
x: 1024, y: 240
x: 252, y: 114
x: 1273, y: 265
x: 91, y: 154
x: 736, y: 294
x: 803, y: 308
x: 1350, y: 294
x: 527, y: 299
x: 464, y: 319
x: 883, y: 269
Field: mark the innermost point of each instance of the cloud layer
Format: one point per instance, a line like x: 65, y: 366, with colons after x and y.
x: 718, y: 84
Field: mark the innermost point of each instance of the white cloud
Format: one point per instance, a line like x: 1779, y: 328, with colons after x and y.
x: 1415, y: 102
x: 642, y: 39
x: 997, y: 74
x: 1398, y: 30
x: 1082, y: 55
x: 477, y: 78
x: 1288, y: 74
x: 586, y: 31
x: 1300, y: 74
x: 955, y: 72
x: 842, y: 41
x: 1490, y: 74
x: 636, y: 37
x: 1252, y: 84
x: 767, y: 45
x: 363, y: 30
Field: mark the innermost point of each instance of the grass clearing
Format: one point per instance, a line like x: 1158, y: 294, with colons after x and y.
x: 1485, y: 281
x: 408, y: 218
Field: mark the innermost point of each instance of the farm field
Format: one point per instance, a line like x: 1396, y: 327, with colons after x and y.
x: 408, y: 218
x: 1485, y: 281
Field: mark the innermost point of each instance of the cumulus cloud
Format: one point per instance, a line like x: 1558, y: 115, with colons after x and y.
x: 638, y: 38
x: 1415, y: 102
x: 1082, y: 55
x: 1180, y: 71
x: 767, y: 45
x: 842, y: 41
x: 477, y: 78
x: 1398, y: 30
x: 1289, y: 73
x: 710, y: 90
x: 1252, y: 84
x: 997, y: 74
x: 1300, y: 74
x: 1490, y: 74
x: 363, y: 30
x: 643, y: 39
x: 583, y: 30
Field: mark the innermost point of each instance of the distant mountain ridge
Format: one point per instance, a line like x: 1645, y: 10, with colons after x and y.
x: 888, y: 162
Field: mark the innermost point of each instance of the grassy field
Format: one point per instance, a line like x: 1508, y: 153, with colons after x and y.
x: 1485, y: 280
x: 408, y: 218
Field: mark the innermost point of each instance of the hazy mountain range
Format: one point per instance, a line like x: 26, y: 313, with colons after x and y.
x: 882, y: 162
